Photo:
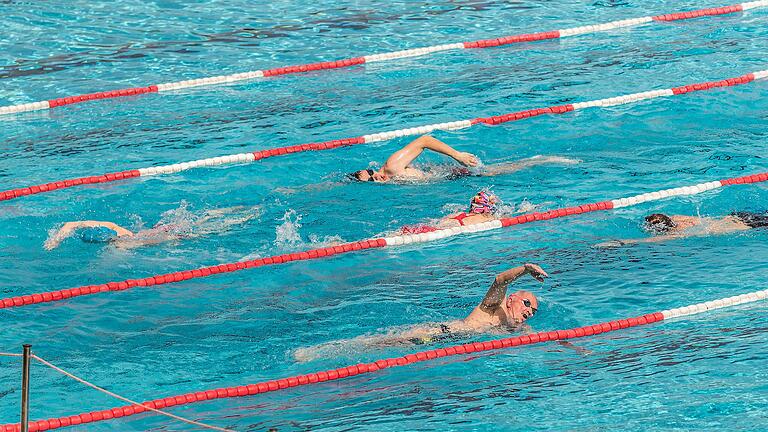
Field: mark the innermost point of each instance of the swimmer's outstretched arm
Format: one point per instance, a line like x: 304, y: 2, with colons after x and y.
x: 67, y: 229
x: 311, y: 187
x: 628, y: 242
x: 510, y: 167
x: 95, y: 224
x: 403, y: 157
x: 498, y: 290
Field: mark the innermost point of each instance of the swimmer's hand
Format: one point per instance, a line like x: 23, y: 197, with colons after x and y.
x: 285, y: 190
x: 53, y: 242
x: 611, y: 244
x: 63, y: 233
x: 536, y: 272
x: 578, y: 349
x: 467, y: 159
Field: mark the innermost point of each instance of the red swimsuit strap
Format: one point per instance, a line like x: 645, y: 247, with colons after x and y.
x: 460, y: 218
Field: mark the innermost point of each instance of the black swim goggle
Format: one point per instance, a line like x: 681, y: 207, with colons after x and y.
x: 527, y: 303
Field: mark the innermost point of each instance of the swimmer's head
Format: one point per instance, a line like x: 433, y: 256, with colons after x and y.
x: 659, y: 223
x: 484, y: 203
x: 96, y: 234
x: 521, y: 305
x: 368, y: 175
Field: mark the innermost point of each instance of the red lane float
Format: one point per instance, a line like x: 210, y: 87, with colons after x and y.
x: 700, y: 13
x: 506, y: 40
x: 101, y: 95
x: 310, y: 67
x: 334, y: 374
x: 63, y: 184
x: 376, y: 137
x: 52, y: 296
x: 365, y: 368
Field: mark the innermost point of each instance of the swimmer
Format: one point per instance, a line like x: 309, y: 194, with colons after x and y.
x: 663, y: 227
x: 212, y: 221
x: 398, y: 167
x: 482, y: 208
x: 496, y: 311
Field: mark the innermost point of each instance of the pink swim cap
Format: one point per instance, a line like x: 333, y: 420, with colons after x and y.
x: 483, y: 202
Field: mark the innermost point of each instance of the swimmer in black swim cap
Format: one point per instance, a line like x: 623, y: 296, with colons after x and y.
x: 398, y: 165
x: 663, y: 227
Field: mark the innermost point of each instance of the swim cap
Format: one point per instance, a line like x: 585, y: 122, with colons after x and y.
x: 659, y: 223
x: 483, y: 202
x: 96, y: 234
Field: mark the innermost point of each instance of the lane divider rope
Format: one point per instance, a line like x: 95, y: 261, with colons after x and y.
x: 376, y: 137
x: 60, y: 295
x: 310, y: 67
x: 366, y: 368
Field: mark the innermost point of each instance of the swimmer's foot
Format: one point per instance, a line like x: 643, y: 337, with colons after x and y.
x: 555, y: 159
x: 610, y: 244
x: 303, y: 355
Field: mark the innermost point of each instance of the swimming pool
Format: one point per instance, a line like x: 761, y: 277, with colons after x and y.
x: 701, y: 372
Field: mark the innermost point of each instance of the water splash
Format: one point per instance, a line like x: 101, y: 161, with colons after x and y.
x: 174, y: 223
x: 287, y: 234
x: 55, y: 237
x: 288, y: 237
x: 503, y: 209
x: 316, y: 241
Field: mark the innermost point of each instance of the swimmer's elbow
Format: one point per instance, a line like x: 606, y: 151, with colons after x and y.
x: 503, y: 278
x: 423, y: 141
x: 489, y: 307
x: 390, y: 170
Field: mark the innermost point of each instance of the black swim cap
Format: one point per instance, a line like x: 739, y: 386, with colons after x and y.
x: 659, y: 222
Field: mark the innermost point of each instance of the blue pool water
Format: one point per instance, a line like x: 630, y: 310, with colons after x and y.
x: 703, y: 372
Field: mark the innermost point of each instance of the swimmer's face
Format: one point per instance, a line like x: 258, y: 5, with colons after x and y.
x: 521, y: 306
x: 369, y: 175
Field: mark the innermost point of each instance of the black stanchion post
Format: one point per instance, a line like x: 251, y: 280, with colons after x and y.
x: 25, y: 387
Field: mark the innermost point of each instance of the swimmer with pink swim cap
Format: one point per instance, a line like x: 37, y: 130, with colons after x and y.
x: 483, y: 202
x: 482, y: 208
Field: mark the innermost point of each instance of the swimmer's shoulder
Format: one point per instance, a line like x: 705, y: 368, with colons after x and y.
x: 412, y: 172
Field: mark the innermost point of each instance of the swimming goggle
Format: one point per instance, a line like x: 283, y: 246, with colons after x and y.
x: 370, y: 175
x: 527, y: 303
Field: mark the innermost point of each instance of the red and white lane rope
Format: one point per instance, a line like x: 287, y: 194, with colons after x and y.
x: 365, y: 368
x: 485, y: 43
x: 376, y: 137
x: 52, y: 296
